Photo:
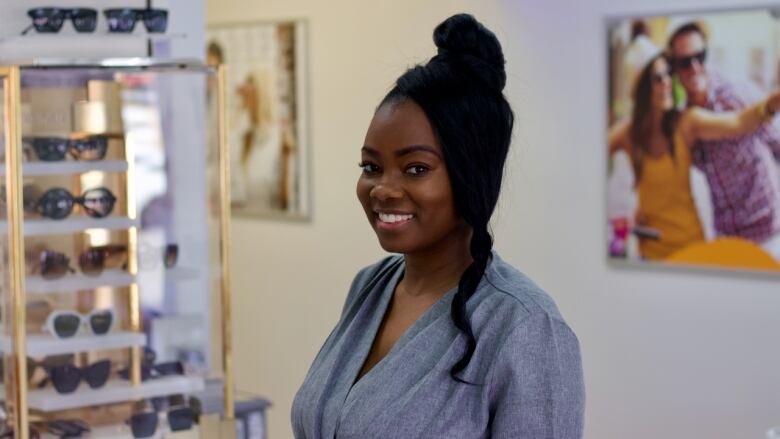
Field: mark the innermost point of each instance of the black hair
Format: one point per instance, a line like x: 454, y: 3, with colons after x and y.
x: 460, y: 91
x: 689, y: 27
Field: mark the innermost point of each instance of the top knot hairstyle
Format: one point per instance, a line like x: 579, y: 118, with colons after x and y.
x: 461, y: 92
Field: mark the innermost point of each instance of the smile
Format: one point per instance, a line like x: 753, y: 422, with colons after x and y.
x: 389, y: 221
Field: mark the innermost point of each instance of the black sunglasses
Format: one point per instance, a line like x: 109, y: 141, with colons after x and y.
x: 54, y: 149
x: 92, y: 261
x: 144, y: 422
x: 46, y: 364
x: 123, y: 20
x: 50, y: 20
x: 66, y: 378
x: 57, y: 203
x: 686, y: 62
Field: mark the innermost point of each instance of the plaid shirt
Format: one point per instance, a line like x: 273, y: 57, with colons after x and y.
x: 743, y: 199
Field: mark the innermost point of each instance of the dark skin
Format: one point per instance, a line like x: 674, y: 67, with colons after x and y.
x: 406, y: 193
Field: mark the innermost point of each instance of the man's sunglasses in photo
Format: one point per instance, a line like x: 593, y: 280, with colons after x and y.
x: 50, y: 20
x: 92, y: 261
x: 686, y: 62
x: 54, y: 149
x: 120, y: 20
x: 66, y: 324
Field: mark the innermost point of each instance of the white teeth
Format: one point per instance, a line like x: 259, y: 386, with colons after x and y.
x: 392, y: 218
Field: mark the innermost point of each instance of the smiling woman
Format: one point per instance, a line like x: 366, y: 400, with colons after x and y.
x: 446, y: 339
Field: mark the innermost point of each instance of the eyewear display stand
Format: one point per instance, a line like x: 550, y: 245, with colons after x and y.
x: 126, y: 155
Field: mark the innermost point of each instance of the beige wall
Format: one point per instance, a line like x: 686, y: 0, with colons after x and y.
x: 666, y: 355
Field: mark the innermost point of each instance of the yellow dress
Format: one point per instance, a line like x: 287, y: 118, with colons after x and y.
x: 666, y: 201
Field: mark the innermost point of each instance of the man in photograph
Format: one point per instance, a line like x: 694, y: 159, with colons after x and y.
x: 740, y: 172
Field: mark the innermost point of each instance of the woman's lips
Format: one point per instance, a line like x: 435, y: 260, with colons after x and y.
x: 392, y: 222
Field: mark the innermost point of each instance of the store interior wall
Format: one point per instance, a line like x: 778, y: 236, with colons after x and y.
x: 666, y: 354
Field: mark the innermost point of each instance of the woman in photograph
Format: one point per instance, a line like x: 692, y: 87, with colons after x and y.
x: 444, y: 339
x: 658, y: 139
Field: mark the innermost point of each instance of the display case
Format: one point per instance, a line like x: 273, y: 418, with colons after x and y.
x: 114, y: 281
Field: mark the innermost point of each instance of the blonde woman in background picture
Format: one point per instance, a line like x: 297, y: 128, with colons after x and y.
x: 658, y: 139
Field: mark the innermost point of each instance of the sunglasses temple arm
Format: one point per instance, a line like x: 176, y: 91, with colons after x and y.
x: 28, y: 29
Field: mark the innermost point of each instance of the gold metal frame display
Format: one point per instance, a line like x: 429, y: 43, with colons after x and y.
x: 16, y: 356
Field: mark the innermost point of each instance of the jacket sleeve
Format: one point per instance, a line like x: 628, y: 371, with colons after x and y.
x: 536, y: 386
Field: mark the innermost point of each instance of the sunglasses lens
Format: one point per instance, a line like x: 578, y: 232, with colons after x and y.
x: 156, y: 20
x: 101, y: 321
x: 56, y: 203
x: 50, y: 149
x: 97, y: 374
x: 98, y: 203
x: 66, y: 325
x: 92, y: 148
x: 65, y: 378
x: 120, y: 20
x: 53, y: 264
x: 47, y: 20
x: 171, y: 255
x: 92, y: 262
x: 170, y: 368
x: 143, y: 424
x: 180, y: 418
x: 84, y: 20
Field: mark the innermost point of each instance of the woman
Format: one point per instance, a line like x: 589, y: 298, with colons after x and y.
x: 658, y: 140
x: 446, y: 340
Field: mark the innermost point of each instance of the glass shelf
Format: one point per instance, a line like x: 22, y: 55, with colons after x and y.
x: 78, y: 281
x: 41, y: 227
x: 41, y: 345
x: 37, y: 169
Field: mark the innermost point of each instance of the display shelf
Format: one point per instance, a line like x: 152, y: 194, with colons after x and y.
x: 122, y: 431
x: 75, y: 38
x: 35, y: 169
x: 41, y: 227
x: 115, y: 391
x: 78, y: 281
x: 40, y: 345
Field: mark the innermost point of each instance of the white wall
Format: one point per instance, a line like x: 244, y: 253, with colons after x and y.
x: 666, y: 355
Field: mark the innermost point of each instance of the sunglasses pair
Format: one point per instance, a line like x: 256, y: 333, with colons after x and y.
x: 686, y: 62
x: 123, y: 20
x: 55, y: 149
x: 92, y: 261
x: 46, y: 364
x: 144, y: 422
x: 50, y: 20
x: 65, y: 324
x: 67, y: 377
x: 120, y: 20
x: 57, y: 203
x: 64, y: 428
x: 151, y: 370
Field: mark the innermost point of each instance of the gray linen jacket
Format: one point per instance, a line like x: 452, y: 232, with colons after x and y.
x: 526, y: 368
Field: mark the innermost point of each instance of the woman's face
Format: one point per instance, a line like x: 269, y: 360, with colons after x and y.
x: 404, y: 186
x: 662, y: 85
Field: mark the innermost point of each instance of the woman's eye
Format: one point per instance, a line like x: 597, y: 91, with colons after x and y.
x: 368, y: 168
x: 417, y: 170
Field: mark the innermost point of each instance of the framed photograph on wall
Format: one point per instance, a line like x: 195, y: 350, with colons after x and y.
x: 267, y: 116
x: 693, y: 139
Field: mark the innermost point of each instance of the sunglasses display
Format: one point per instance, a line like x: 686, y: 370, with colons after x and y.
x: 54, y: 149
x: 46, y: 364
x: 67, y: 377
x: 150, y: 370
x: 123, y: 20
x: 50, y: 20
x: 686, y: 62
x: 57, y: 203
x: 66, y: 324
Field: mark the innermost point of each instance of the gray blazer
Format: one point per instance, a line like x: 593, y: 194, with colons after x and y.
x: 526, y: 367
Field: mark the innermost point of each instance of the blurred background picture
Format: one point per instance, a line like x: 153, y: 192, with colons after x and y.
x: 693, y: 148
x: 266, y: 116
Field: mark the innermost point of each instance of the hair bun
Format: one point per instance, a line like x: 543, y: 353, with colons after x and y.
x: 462, y: 36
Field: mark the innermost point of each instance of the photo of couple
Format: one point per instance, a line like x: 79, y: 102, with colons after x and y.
x: 693, y: 140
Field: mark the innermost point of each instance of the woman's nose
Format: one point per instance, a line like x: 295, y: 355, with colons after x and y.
x: 385, y: 190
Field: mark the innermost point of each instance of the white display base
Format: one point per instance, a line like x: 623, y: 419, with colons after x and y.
x: 41, y: 227
x: 44, y: 344
x: 78, y: 281
x: 181, y: 273
x: 48, y: 400
x: 123, y: 432
x: 67, y: 167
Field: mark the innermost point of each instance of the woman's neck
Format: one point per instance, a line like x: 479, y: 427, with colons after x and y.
x: 437, y: 270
